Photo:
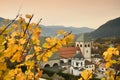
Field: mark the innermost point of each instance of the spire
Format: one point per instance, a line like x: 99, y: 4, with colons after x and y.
x: 83, y: 37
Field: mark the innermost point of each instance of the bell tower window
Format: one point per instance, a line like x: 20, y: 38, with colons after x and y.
x: 77, y: 45
x: 88, y: 45
x: 80, y: 45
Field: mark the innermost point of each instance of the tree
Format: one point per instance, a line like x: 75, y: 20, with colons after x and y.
x: 21, y: 50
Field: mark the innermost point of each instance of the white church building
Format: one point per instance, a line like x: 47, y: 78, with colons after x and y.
x: 82, y: 59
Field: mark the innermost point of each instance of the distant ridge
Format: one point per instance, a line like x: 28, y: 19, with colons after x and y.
x: 109, y: 29
x: 51, y: 30
x: 1, y: 19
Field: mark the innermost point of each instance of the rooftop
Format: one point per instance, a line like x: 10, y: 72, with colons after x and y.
x: 67, y: 52
x: 83, y: 37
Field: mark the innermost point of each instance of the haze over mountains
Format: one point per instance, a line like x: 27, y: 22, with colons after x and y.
x: 51, y: 30
x: 110, y: 29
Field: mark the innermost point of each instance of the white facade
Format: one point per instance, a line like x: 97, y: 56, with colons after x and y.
x: 78, y: 63
x: 85, y: 49
x: 75, y: 71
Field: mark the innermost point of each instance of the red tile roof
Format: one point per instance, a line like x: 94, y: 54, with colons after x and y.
x: 67, y: 52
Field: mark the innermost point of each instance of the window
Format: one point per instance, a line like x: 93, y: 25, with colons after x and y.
x: 86, y: 51
x: 77, y: 45
x: 88, y: 45
x: 85, y: 45
x: 77, y: 63
x: 80, y: 45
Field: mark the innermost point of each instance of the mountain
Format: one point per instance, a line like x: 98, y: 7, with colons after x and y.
x: 109, y: 29
x: 51, y: 30
x: 1, y: 19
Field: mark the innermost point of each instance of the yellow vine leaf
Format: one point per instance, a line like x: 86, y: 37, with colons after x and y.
x: 48, y: 54
x: 63, y: 42
x: 30, y: 75
x: 86, y: 74
x: 39, y: 57
x: 80, y: 79
x: 39, y: 74
x: 29, y: 64
x: 109, y: 72
x: 16, y: 57
x: 22, y: 41
x: 107, y: 56
x: 28, y: 16
x: 37, y: 49
x: 61, y: 32
x: 3, y: 66
x: 29, y: 57
x: 103, y: 79
x: 14, y: 26
x: 108, y: 64
x: 45, y: 59
x: 20, y: 76
x: 46, y: 45
x: 117, y: 77
x: 110, y: 50
x: 48, y: 40
x: 116, y: 52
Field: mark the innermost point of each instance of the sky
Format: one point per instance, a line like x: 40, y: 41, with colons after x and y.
x: 76, y: 13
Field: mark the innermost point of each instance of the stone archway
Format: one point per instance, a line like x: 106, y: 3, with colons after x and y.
x: 55, y: 65
x: 47, y: 66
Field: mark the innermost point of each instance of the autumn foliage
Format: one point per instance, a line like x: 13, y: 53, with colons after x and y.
x: 112, y: 59
x: 20, y: 49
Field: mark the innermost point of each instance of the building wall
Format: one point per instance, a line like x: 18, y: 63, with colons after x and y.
x: 75, y: 72
x: 77, y: 63
x: 64, y: 60
x: 85, y: 49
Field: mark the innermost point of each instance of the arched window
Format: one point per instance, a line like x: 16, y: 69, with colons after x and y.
x: 85, y: 45
x: 77, y: 63
x: 88, y: 45
x: 77, y: 45
x: 80, y: 45
x: 69, y: 60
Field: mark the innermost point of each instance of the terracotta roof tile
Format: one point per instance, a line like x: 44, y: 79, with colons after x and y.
x: 67, y: 52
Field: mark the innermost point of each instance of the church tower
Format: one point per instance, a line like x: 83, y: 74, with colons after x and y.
x: 85, y: 44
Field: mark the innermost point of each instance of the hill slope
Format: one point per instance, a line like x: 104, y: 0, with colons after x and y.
x: 109, y: 29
